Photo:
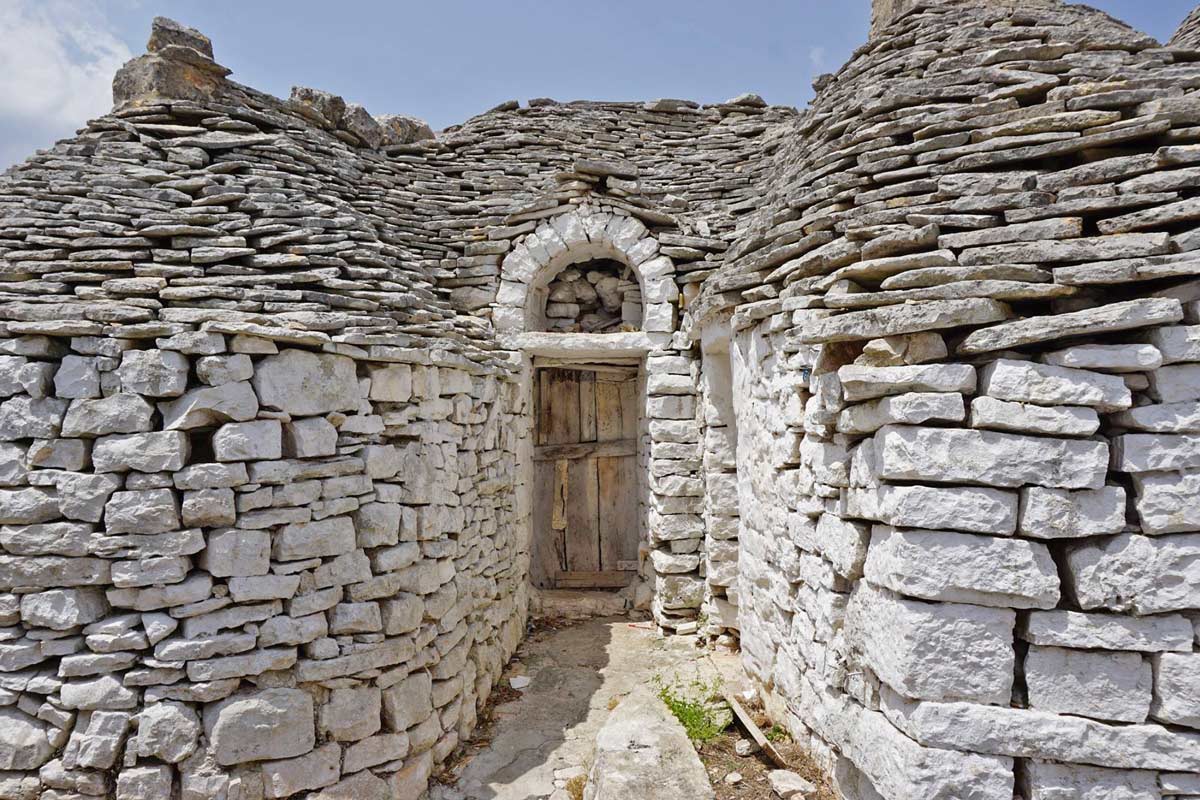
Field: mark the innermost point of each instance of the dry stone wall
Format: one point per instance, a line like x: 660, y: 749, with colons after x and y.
x: 261, y: 528
x: 963, y: 379
x: 919, y: 422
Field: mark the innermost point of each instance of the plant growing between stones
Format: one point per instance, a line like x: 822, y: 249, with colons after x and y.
x: 696, y: 705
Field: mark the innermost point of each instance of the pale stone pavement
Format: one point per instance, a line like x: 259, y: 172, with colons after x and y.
x: 578, y: 673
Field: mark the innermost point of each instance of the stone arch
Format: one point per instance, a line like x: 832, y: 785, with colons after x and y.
x: 583, y: 234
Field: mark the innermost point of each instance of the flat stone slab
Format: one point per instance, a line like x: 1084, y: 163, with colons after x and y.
x: 643, y: 752
x: 1091, y: 322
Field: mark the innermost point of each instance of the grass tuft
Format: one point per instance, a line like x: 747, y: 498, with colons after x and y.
x: 694, y: 705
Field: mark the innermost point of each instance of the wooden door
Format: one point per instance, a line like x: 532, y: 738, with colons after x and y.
x: 585, y: 479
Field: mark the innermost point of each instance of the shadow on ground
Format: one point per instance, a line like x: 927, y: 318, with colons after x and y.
x: 578, y: 673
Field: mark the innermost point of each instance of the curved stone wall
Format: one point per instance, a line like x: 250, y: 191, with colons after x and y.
x: 965, y: 398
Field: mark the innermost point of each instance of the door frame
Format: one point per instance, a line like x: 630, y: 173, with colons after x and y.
x: 620, y: 359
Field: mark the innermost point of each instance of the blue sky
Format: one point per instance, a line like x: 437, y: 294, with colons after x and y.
x: 450, y: 59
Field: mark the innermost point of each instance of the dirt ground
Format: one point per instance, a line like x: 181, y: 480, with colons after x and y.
x: 720, y: 760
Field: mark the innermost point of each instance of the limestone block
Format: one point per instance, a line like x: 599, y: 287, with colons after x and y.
x: 1027, y: 733
x: 905, y: 770
x: 866, y: 383
x: 401, y: 613
x: 63, y: 609
x: 67, y: 454
x: 248, y: 441
x: 211, y: 476
x: 235, y: 552
x: 144, y: 452
x: 1047, y: 385
x: 52, y: 572
x: 1151, y: 452
x: 1177, y: 689
x: 1107, y: 357
x: 25, y: 417
x: 167, y: 731
x: 1175, y: 384
x: 36, y: 378
x: 77, y: 377
x: 1177, y: 343
x: 154, y: 373
x: 965, y: 508
x: 260, y: 725
x: 953, y: 455
x: 386, y: 747
x: 136, y: 783
x: 210, y: 405
x: 391, y: 384
x: 103, y: 693
x: 328, y: 537
x: 933, y: 651
x: 1081, y: 631
x: 196, y: 588
x: 1001, y: 415
x: 408, y: 702
x: 120, y: 413
x: 302, y: 383
x: 359, y: 786
x: 1046, y: 781
x: 351, y: 713
x: 322, y: 767
x: 963, y: 568
x: 255, y: 588
x: 912, y: 408
x: 151, y: 511
x: 413, y: 779
x: 27, y: 506
x: 219, y: 370
x: 82, y: 496
x: 1107, y: 686
x: 349, y: 618
x: 1061, y: 514
x: 24, y: 745
x: 1166, y: 502
x: 208, y: 508
x: 844, y: 543
x: 1137, y: 574
x: 309, y: 438
x: 678, y: 591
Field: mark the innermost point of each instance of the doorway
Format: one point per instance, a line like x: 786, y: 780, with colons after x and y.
x: 586, y: 489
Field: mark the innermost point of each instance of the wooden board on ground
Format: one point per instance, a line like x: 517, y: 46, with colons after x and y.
x: 755, y: 733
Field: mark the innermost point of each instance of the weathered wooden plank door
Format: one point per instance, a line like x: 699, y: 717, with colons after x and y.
x: 585, y: 478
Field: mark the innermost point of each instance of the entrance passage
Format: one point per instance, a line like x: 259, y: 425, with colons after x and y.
x: 585, y: 479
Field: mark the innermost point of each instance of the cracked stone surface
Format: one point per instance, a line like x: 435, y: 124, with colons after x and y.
x: 578, y: 673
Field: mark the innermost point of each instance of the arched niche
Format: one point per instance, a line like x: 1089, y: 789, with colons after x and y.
x: 578, y: 237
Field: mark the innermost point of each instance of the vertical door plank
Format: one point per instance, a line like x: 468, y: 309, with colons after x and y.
x: 608, y: 411
x: 583, y: 510
x: 561, y: 406
x: 629, y: 408
x: 618, y: 511
x: 587, y: 406
x: 548, y: 545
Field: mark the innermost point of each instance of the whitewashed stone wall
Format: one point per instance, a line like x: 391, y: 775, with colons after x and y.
x: 238, y: 568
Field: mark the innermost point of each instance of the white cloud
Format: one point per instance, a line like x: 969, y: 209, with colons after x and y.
x: 57, y: 60
x: 816, y: 57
